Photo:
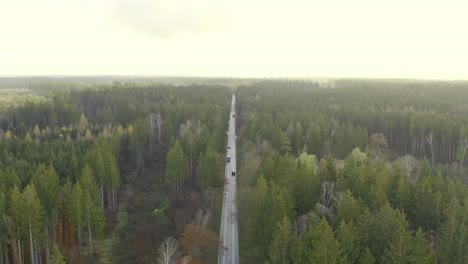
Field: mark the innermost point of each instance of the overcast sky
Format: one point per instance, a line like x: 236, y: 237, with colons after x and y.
x: 238, y: 38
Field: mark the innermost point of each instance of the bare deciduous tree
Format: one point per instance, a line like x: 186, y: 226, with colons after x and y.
x: 185, y: 259
x: 463, y: 146
x: 430, y: 141
x: 159, y: 123
x: 329, y: 200
x: 168, y: 251
x: 409, y: 163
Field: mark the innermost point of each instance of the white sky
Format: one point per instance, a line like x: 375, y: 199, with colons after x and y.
x: 239, y: 38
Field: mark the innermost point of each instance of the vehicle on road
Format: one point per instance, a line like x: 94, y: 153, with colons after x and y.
x: 228, y: 159
x: 229, y: 147
x: 233, y: 173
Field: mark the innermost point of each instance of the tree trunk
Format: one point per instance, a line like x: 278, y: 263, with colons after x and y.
x: 109, y: 198
x: 31, y: 241
x: 113, y: 197
x: 102, y: 194
x: 38, y: 255
x: 463, y: 156
x: 17, y: 257
x: 80, y: 246
x: 14, y: 251
x: 7, y: 257
x: 47, y: 245
x: 90, y: 240
x: 1, y: 253
x: 20, y: 251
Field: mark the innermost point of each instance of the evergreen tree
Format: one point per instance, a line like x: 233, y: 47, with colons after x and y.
x: 325, y: 248
x: 57, y: 256
x: 399, y: 248
x: 422, y: 252
x: 367, y: 257
x: 92, y: 210
x: 348, y: 237
x: 280, y: 243
x: 47, y: 182
x: 176, y: 167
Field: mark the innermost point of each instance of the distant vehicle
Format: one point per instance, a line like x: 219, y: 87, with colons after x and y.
x: 228, y: 159
x: 233, y: 173
x: 232, y: 115
x: 229, y: 147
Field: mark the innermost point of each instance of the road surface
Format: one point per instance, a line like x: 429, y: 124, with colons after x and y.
x: 229, y: 247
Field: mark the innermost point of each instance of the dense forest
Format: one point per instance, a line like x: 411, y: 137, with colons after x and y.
x: 353, y: 171
x: 131, y: 171
x: 112, y: 173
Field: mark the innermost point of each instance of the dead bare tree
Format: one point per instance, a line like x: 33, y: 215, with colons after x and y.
x: 409, y: 163
x: 168, y: 251
x: 464, y: 146
x: 185, y: 127
x: 329, y: 200
x: 185, y: 259
x: 430, y: 141
x: 159, y: 123
x: 258, y: 140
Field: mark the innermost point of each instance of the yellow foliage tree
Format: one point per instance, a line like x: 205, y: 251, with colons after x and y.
x: 8, y: 135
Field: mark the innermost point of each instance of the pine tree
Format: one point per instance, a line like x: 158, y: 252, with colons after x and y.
x: 421, y: 251
x: 325, y: 248
x: 348, y: 237
x: 33, y: 216
x: 280, y: 243
x: 77, y: 214
x: 297, y: 250
x: 448, y: 244
x: 176, y: 167
x: 399, y: 248
x: 57, y: 256
x: 92, y: 209
x: 47, y: 182
x: 367, y: 257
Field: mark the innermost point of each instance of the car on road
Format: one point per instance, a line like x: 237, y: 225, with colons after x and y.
x: 229, y: 147
x: 233, y: 173
x: 228, y: 159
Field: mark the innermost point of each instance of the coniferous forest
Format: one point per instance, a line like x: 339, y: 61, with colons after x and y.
x: 341, y: 171
x: 353, y: 171
x: 104, y: 173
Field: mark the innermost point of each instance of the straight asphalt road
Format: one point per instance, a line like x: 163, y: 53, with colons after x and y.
x: 229, y: 245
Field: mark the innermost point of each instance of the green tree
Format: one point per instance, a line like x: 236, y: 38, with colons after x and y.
x: 77, y: 214
x: 367, y: 257
x: 426, y: 169
x: 422, y: 252
x: 57, y: 256
x: 47, y: 182
x: 176, y: 167
x: 297, y: 250
x: 280, y: 243
x: 399, y: 248
x: 450, y: 227
x: 29, y: 216
x: 347, y: 235
x: 325, y: 247
x: 92, y: 209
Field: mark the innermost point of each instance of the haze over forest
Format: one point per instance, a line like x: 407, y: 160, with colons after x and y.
x: 364, y: 38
